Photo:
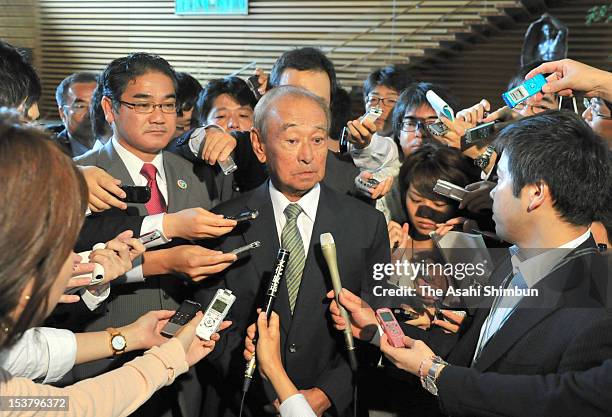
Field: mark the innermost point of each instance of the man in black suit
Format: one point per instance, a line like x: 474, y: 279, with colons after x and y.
x: 554, y: 173
x: 290, y: 136
x: 73, y: 96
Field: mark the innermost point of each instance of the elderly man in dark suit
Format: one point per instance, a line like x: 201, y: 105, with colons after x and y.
x: 295, y: 208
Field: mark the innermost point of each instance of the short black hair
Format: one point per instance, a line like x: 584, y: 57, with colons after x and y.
x: 561, y: 150
x: 432, y: 162
x: 413, y: 97
x: 234, y: 87
x: 392, y: 76
x: 187, y: 92
x: 19, y: 82
x: 303, y: 59
x: 64, y: 86
x: 340, y: 112
x: 99, y: 125
x: 116, y: 76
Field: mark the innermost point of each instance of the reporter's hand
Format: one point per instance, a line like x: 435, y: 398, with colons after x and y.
x: 362, y: 316
x: 398, y: 235
x: 126, y: 241
x: 197, y: 262
x: 361, y: 132
x: 380, y: 190
x: 475, y: 114
x: 408, y: 358
x: 104, y: 191
x: 451, y: 326
x: 443, y: 228
x: 115, y: 263
x: 503, y: 114
x: 317, y: 400
x: 456, y: 131
x: 478, y: 197
x: 567, y: 76
x: 268, y: 345
x: 218, y: 145
x: 77, y: 269
x: 145, y: 332
x: 262, y: 77
x: 195, y: 348
x: 196, y: 223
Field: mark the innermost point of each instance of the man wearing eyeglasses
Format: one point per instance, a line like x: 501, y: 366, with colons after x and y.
x: 73, y: 96
x: 598, y: 115
x: 139, y: 102
x: 381, y: 89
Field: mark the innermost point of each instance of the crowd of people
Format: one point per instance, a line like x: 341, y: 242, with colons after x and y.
x: 287, y: 149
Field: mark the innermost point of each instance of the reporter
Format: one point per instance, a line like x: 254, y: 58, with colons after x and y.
x: 39, y: 231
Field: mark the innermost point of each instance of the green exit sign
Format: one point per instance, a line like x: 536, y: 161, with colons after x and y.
x: 212, y: 7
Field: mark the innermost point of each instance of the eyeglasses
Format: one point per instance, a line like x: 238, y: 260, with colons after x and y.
x: 412, y: 125
x: 77, y: 108
x: 386, y: 101
x: 594, y: 104
x: 146, y: 108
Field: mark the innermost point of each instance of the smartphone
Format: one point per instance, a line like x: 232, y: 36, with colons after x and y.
x: 391, y: 327
x: 136, y: 193
x: 448, y: 189
x: 244, y: 216
x: 245, y: 248
x: 186, y: 312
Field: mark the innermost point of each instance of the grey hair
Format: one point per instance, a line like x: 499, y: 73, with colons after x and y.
x: 267, y: 102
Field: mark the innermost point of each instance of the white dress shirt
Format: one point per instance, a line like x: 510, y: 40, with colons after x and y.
x: 296, y: 406
x: 41, y: 353
x: 305, y: 221
x: 153, y: 222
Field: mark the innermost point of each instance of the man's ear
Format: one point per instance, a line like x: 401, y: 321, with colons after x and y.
x: 259, y: 147
x: 62, y: 114
x: 109, y: 112
x: 537, y: 194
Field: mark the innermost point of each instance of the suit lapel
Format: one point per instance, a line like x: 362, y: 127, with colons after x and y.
x: 530, y: 311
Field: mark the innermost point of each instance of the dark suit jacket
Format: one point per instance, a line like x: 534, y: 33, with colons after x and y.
x: 311, y: 349
x: 566, y: 328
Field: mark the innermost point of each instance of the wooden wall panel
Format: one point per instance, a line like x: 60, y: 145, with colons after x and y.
x: 359, y: 35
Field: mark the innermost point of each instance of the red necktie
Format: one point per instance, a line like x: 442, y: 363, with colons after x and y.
x: 156, y: 204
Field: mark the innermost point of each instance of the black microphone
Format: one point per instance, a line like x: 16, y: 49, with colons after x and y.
x: 279, y: 270
x: 329, y: 252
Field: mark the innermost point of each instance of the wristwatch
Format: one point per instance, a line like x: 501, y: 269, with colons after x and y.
x: 482, y: 161
x: 429, y: 380
x: 117, y: 341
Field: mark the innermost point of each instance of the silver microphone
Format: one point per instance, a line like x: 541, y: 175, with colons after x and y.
x: 328, y: 247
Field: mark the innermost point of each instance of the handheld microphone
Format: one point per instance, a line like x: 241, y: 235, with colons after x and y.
x: 98, y: 272
x: 329, y: 252
x: 279, y: 270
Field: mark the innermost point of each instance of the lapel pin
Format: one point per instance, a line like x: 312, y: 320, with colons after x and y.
x: 182, y: 184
